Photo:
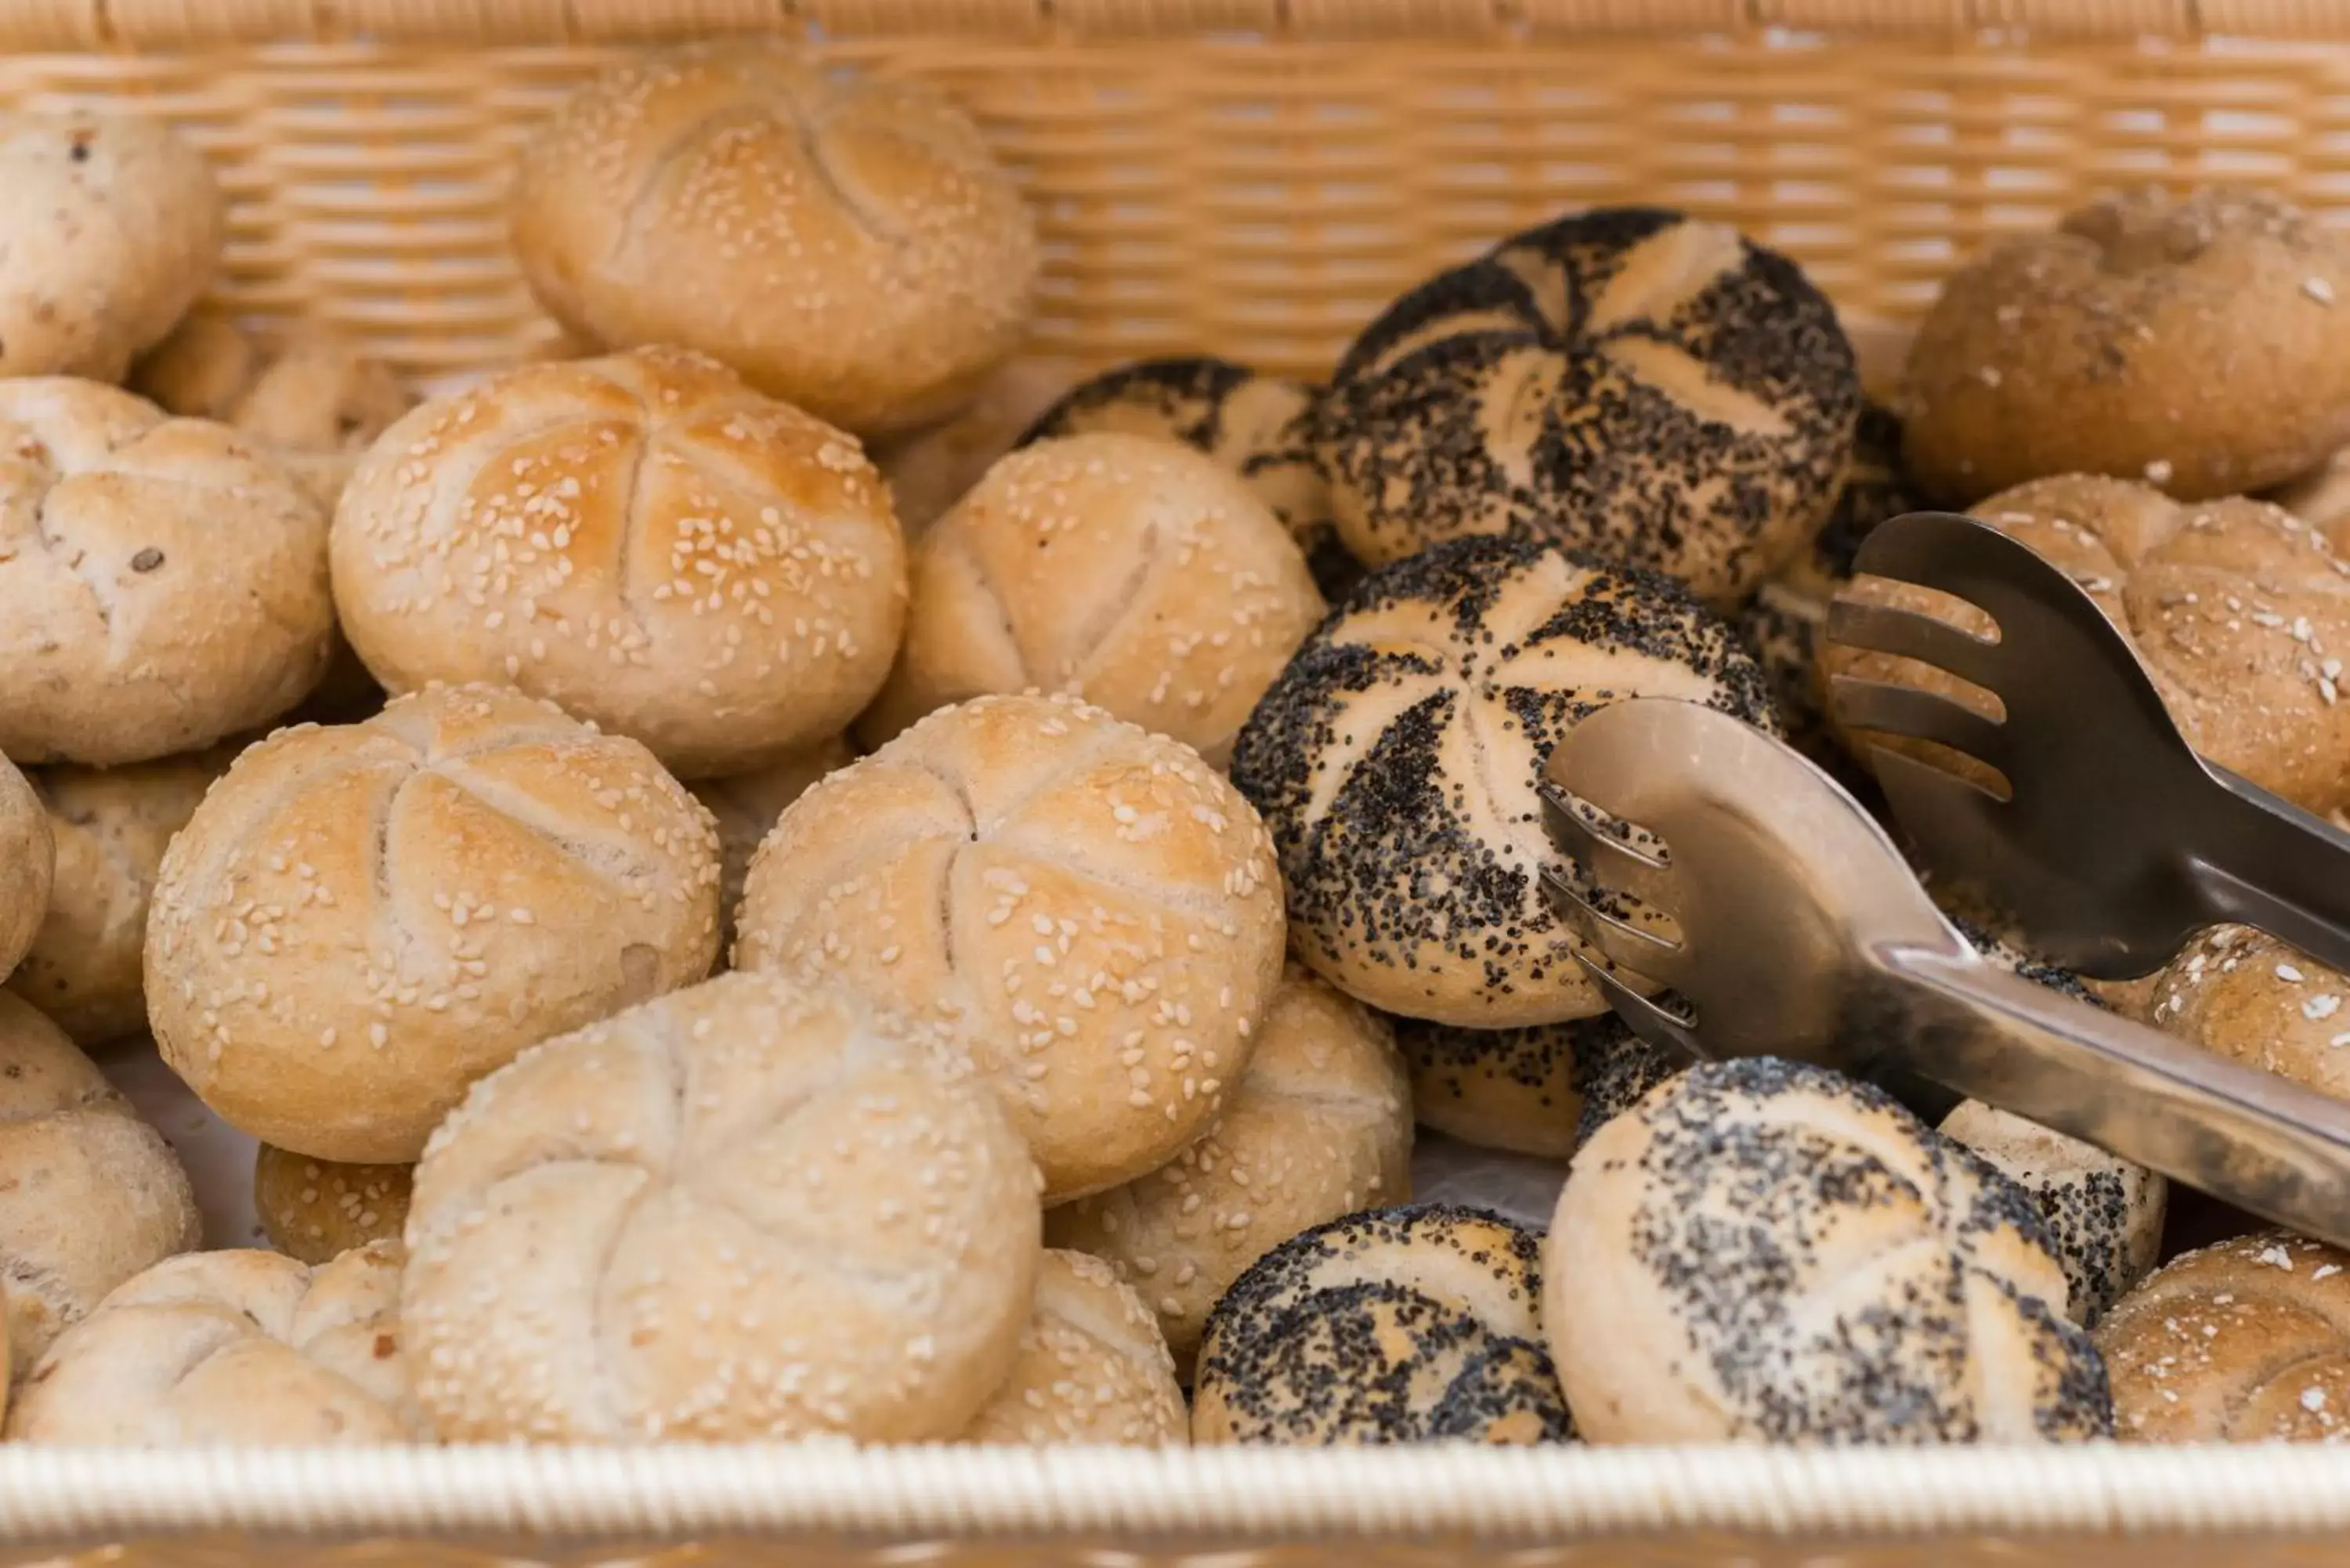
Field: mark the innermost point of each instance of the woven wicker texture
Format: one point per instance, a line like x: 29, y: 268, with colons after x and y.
x: 1255, y: 198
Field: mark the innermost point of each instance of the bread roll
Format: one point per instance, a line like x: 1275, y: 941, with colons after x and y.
x: 1765, y: 1250
x: 2194, y: 343
x: 360, y: 921
x: 90, y: 1194
x: 2244, y: 995
x: 1656, y: 388
x: 641, y: 538
x: 315, y: 1211
x: 1091, y: 1367
x: 1395, y: 1325
x: 1319, y: 1126
x: 162, y: 583
x: 308, y: 395
x: 746, y: 808
x: 747, y: 1209
x: 110, y: 826
x: 1260, y: 427
x: 2244, y: 1342
x: 1515, y: 1089
x: 2321, y: 498
x: 1094, y: 911
x: 1618, y: 1069
x: 930, y: 470
x: 2104, y: 1214
x: 845, y: 242
x: 1133, y: 573
x: 27, y: 867
x: 1396, y: 759
x: 114, y: 228
x: 243, y: 1348
x: 2239, y: 612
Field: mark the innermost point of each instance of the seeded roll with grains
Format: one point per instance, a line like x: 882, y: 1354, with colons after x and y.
x: 1396, y: 759
x: 1395, y: 1325
x: 1090, y: 909
x: 1656, y: 388
x: 1767, y: 1251
x: 361, y: 920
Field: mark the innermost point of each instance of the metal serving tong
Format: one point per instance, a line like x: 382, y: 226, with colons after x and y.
x: 2118, y: 843
x: 1803, y: 933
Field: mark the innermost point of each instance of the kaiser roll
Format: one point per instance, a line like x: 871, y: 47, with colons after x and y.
x: 1091, y: 1367
x: 27, y: 867
x: 316, y: 1210
x: 746, y: 808
x: 358, y: 921
x: 1091, y: 910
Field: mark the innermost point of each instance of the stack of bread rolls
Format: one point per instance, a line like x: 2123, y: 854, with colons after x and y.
x: 718, y: 932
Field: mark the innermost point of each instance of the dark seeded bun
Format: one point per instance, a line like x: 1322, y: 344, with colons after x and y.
x: 1399, y: 751
x: 1767, y: 1250
x: 1395, y: 1325
x: 1659, y: 389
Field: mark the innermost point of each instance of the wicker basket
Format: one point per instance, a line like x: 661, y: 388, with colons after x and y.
x: 1251, y: 177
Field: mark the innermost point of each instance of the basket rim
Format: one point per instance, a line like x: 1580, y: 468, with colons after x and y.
x: 937, y: 1492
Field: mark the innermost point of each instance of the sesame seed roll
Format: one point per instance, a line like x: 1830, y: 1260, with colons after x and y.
x: 750, y: 1209
x: 1767, y: 1250
x: 1091, y: 908
x: 1395, y: 760
x: 361, y: 920
x: 317, y: 1210
x: 641, y: 538
x: 1656, y: 388
x: 1091, y: 1367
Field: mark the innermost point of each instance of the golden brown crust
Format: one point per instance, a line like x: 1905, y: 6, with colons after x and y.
x: 931, y: 469
x: 752, y: 1209
x: 1091, y: 1368
x: 246, y: 1348
x: 1091, y: 907
x: 641, y: 538
x: 358, y: 921
x: 114, y: 228
x: 2239, y: 612
x: 2244, y: 1342
x: 2201, y: 344
x: 1320, y: 1126
x: 315, y: 1211
x: 2244, y: 995
x: 1132, y: 573
x: 746, y: 808
x: 162, y: 581
x: 90, y: 1194
x: 27, y: 867
x: 110, y: 826
x: 846, y: 242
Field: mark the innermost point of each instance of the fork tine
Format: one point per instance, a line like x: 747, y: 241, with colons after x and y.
x: 1911, y: 634
x: 1612, y: 861
x: 1650, y: 1020
x: 1951, y: 809
x: 1892, y: 708
x: 1622, y: 941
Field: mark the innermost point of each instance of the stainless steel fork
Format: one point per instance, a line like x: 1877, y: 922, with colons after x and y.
x: 2117, y: 842
x: 1798, y: 930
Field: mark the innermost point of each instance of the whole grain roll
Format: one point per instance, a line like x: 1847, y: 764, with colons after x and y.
x: 308, y: 394
x: 1658, y: 390
x: 2239, y: 612
x: 315, y: 1211
x: 2242, y: 995
x: 90, y: 1195
x: 1258, y: 426
x: 238, y: 1348
x: 641, y: 538
x: 1395, y: 1325
x: 360, y: 921
x: 1395, y: 760
x: 1318, y: 1127
x: 27, y: 867
x: 1767, y: 1251
x: 2104, y: 1214
x: 1093, y: 910
x: 162, y: 581
x: 845, y: 242
x: 751, y: 1208
x: 113, y: 228
x: 2244, y: 1342
x: 1091, y: 1367
x: 746, y: 808
x: 1132, y: 573
x: 2194, y: 342
x: 110, y: 826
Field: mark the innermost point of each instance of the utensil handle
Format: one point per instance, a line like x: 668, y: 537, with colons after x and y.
x: 2249, y: 1137
x: 2256, y: 859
